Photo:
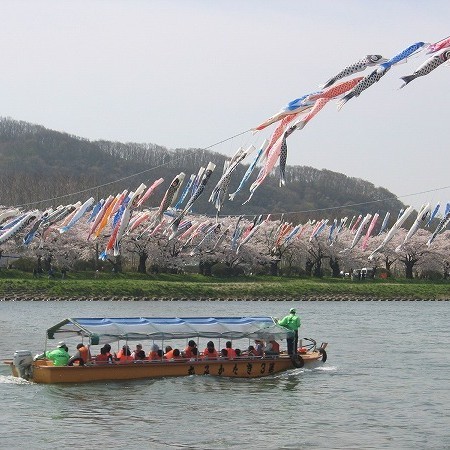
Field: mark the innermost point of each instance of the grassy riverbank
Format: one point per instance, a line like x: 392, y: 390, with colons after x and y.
x: 16, y: 284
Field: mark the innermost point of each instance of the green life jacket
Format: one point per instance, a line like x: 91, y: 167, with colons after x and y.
x: 59, y: 357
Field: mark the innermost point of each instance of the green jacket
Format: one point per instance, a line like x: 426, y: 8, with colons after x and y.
x: 59, y: 356
x: 291, y: 322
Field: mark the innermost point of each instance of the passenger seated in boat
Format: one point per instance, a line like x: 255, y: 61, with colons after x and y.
x: 173, y: 354
x: 140, y: 356
x: 176, y: 354
x: 230, y: 351
x: 187, y: 352
x: 82, y: 355
x: 104, y: 356
x: 224, y: 353
x: 272, y: 348
x: 238, y: 352
x: 107, y: 347
x: 153, y: 354
x: 124, y: 355
x: 250, y: 351
x: 168, y: 354
x: 125, y: 349
x: 210, y: 352
x: 60, y: 356
x: 259, y: 348
x: 194, y: 354
x: 136, y: 351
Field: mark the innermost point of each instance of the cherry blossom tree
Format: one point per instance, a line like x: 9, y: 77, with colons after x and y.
x: 267, y: 248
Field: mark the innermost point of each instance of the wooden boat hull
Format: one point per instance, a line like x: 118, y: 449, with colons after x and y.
x: 44, y: 372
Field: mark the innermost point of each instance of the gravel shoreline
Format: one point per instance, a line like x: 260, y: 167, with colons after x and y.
x: 318, y: 298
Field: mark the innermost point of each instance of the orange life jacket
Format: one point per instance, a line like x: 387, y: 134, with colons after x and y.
x: 208, y: 354
x: 120, y: 354
x: 275, y: 347
x: 125, y: 358
x: 188, y: 352
x: 153, y: 355
x: 231, y: 353
x: 169, y: 354
x: 85, y: 354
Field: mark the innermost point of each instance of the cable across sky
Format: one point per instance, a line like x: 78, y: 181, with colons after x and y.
x: 175, y: 158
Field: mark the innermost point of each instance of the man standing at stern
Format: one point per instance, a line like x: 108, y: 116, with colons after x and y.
x: 291, y: 322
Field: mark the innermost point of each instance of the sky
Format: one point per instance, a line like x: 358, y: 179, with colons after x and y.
x: 192, y: 73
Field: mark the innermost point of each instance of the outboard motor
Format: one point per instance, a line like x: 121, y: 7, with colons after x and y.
x: 23, y: 361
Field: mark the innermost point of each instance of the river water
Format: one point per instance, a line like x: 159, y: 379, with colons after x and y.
x: 386, y: 384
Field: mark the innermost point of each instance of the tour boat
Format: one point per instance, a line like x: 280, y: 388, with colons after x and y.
x: 176, y: 331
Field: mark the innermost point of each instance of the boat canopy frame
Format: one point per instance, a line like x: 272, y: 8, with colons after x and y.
x: 106, y: 330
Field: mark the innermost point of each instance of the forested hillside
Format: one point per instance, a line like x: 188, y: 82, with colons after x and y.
x: 44, y: 167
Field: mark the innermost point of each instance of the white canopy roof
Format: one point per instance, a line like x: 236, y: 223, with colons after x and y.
x: 106, y: 330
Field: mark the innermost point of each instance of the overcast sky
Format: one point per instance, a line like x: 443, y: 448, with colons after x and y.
x: 186, y: 73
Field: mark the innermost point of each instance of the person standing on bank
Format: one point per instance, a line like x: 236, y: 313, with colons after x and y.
x: 291, y: 322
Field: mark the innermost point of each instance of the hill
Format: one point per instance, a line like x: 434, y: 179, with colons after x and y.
x: 41, y: 167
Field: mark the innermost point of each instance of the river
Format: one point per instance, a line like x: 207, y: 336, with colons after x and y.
x: 386, y: 384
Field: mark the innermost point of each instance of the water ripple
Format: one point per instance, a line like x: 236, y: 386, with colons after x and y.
x: 381, y: 387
